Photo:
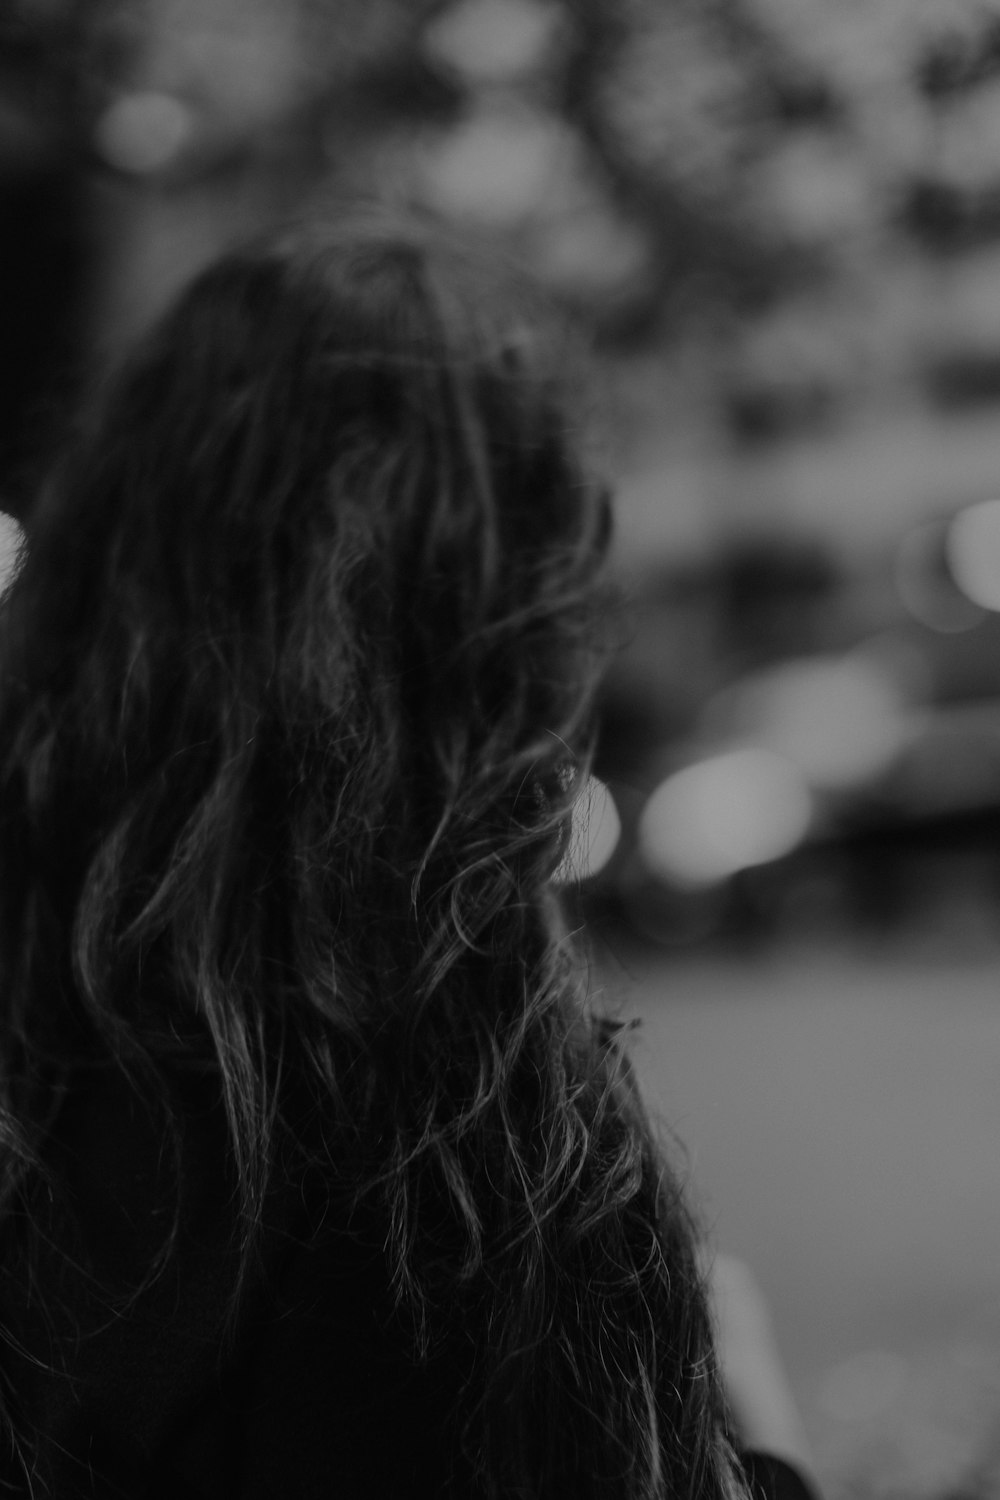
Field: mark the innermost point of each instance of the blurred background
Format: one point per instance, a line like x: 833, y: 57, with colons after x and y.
x: 778, y: 223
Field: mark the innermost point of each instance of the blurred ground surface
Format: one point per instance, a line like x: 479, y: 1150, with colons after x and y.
x: 840, y: 1114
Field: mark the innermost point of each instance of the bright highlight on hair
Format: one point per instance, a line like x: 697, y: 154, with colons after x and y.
x: 11, y: 549
x: 724, y: 814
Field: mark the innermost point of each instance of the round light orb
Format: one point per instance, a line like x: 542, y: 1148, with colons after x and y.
x: 143, y: 132
x: 11, y: 549
x: 594, y: 836
x: 972, y: 547
x: 724, y: 814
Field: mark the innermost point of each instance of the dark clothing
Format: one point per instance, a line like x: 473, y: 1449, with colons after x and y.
x: 316, y: 1376
x: 316, y: 1395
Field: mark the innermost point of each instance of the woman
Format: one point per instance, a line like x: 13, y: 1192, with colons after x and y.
x: 318, y: 1175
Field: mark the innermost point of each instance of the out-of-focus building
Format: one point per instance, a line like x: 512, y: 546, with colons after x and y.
x: 777, y: 220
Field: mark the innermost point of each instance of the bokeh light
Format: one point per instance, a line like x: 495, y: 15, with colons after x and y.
x: 724, y: 814
x: 499, y: 164
x: 973, y: 549
x: 144, y: 132
x: 595, y: 833
x: 493, y: 41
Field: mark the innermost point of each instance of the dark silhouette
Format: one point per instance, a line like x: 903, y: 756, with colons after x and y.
x: 318, y: 1173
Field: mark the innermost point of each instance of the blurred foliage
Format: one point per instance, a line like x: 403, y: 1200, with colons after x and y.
x: 781, y: 203
x: 654, y: 158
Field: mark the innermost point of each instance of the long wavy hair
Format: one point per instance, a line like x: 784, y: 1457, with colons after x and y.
x: 296, y: 694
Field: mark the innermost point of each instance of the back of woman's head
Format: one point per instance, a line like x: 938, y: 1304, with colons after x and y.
x: 296, y: 687
x: 316, y: 586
